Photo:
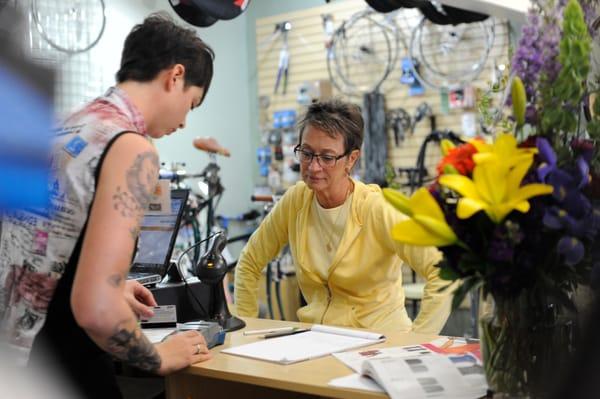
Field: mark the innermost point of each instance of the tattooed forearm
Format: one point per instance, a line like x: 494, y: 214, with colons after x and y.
x: 134, y: 348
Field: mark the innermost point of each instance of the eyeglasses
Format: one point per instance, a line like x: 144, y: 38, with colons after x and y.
x: 324, y: 160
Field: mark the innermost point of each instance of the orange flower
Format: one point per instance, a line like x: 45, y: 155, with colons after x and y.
x: 460, y: 158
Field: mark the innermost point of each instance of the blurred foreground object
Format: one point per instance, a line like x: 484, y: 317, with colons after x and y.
x: 26, y: 119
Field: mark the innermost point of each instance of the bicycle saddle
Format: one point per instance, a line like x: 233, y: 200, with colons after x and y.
x: 209, y: 144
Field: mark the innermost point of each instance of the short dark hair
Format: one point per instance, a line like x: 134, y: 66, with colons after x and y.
x: 336, y: 117
x: 159, y: 43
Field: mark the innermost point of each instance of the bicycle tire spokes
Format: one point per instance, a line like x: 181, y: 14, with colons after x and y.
x: 70, y: 27
x: 364, y: 52
x: 451, y: 56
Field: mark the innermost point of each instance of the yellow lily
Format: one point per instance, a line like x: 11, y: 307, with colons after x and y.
x: 505, y: 150
x: 427, y: 225
x: 495, y: 188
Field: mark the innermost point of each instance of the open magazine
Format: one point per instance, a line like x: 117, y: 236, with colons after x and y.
x: 444, y: 368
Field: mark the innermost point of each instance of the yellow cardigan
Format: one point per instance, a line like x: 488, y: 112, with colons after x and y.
x: 364, y: 285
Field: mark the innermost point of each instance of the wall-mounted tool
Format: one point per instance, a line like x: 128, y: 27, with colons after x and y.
x: 400, y: 122
x: 422, y: 111
x: 284, y: 57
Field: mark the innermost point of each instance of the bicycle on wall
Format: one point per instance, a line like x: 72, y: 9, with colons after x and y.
x: 69, y: 26
x: 366, y: 48
x: 363, y: 52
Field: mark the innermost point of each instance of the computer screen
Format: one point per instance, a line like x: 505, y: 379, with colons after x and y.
x: 157, y: 237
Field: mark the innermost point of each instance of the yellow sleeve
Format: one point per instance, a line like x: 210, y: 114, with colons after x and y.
x: 264, y: 244
x: 436, y: 304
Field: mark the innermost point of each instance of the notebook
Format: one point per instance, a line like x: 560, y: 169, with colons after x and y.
x: 319, y: 341
x: 158, y: 233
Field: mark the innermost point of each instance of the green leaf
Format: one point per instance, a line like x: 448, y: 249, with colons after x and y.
x: 446, y: 273
x: 462, y: 291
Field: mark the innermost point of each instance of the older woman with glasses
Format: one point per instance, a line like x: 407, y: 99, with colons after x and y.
x: 338, y: 229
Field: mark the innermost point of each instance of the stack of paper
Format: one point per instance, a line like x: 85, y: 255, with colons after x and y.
x: 455, y: 376
x: 447, y: 367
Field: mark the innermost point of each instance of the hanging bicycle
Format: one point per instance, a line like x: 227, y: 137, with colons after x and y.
x: 69, y: 26
x: 363, y: 52
x: 450, y: 56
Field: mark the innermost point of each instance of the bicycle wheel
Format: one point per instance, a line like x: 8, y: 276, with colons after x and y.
x: 363, y: 53
x: 450, y: 56
x: 71, y: 27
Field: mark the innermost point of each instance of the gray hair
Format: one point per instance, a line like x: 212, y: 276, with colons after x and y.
x: 335, y: 117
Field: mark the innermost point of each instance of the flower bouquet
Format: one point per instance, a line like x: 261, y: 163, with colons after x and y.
x: 516, y: 217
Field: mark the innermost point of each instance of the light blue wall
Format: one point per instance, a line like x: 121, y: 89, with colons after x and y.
x: 230, y: 111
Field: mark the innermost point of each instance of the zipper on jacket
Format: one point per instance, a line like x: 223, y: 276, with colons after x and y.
x: 328, y: 302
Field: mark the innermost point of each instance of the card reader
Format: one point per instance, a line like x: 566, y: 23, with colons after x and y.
x: 213, y: 333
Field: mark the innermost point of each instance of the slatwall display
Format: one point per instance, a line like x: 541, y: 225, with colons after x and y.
x: 446, y: 50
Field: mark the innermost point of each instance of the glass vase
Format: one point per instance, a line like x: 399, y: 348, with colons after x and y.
x: 523, y: 341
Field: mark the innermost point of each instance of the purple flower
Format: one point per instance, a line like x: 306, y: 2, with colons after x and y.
x: 584, y: 172
x: 502, y: 245
x: 571, y: 212
x: 548, y: 157
x: 572, y: 249
x: 536, y: 59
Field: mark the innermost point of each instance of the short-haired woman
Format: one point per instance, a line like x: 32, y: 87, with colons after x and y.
x: 348, y: 267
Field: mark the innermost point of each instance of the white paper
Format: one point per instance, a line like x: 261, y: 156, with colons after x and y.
x: 354, y: 360
x: 156, y: 335
x: 347, y: 331
x: 356, y: 381
x: 298, y: 347
x: 434, y: 376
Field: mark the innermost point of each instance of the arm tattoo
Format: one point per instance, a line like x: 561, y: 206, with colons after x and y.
x: 125, y: 204
x: 141, y: 181
x: 134, y: 348
x: 142, y: 177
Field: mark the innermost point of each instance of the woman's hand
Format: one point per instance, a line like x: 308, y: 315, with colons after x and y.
x: 139, y: 298
x: 181, y: 350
